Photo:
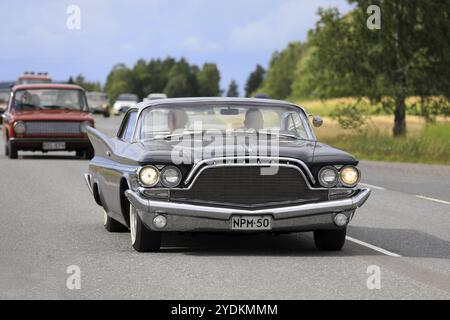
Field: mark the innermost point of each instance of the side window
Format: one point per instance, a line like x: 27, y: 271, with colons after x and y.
x: 126, y: 132
x: 295, y: 125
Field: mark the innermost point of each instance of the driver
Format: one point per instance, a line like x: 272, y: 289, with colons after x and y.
x: 254, y: 119
x: 30, y: 100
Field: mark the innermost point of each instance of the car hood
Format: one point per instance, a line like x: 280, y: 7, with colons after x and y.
x: 310, y: 152
x: 52, y: 115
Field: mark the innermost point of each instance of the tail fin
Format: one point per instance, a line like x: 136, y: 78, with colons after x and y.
x: 102, y: 144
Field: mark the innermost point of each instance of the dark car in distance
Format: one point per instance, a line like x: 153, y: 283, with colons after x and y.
x: 222, y: 165
x: 47, y: 117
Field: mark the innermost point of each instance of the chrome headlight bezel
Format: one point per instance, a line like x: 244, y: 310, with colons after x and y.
x: 163, y: 178
x: 327, y: 184
x: 19, y: 127
x: 355, y: 169
x: 142, y: 170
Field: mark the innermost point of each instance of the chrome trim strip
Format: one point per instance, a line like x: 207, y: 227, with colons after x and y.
x: 224, y: 160
x: 225, y: 213
x: 87, y: 178
x: 142, y: 189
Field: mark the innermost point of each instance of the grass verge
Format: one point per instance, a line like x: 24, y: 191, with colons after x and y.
x: 431, y: 146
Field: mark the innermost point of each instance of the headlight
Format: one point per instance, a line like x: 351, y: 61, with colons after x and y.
x: 328, y: 177
x: 349, y: 176
x: 170, y: 177
x: 84, y: 125
x: 148, y: 176
x: 19, y: 127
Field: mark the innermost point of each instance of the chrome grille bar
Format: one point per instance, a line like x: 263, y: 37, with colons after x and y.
x: 52, y: 127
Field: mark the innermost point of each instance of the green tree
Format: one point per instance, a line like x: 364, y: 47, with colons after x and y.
x: 118, y: 81
x: 233, y: 90
x: 280, y: 76
x: 158, y: 71
x: 254, y: 81
x: 209, y: 80
x: 140, y: 77
x: 409, y: 55
x: 81, y: 81
x: 182, y: 80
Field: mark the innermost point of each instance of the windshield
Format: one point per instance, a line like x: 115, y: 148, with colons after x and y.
x: 285, y: 121
x: 127, y: 97
x: 96, y: 97
x: 66, y: 99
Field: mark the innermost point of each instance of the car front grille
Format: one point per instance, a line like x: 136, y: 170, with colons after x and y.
x: 52, y: 128
x: 246, y: 187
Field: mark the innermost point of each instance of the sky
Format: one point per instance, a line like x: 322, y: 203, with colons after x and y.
x: 235, y: 34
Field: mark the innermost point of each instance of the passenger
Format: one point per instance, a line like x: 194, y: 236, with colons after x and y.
x: 177, y: 119
x: 254, y: 119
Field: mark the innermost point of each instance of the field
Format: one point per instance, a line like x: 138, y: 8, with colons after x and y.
x: 424, y: 143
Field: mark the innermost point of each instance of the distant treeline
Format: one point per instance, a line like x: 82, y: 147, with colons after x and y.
x: 176, y: 78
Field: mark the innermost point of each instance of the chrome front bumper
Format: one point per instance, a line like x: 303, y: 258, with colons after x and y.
x: 199, y: 218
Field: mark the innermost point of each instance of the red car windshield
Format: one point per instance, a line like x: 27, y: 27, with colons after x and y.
x: 49, y: 99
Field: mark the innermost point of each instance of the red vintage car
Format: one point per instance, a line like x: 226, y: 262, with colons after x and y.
x: 47, y: 117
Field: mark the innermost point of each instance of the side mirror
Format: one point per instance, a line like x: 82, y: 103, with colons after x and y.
x: 317, y: 121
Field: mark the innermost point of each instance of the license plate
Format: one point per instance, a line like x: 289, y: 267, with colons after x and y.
x: 53, y: 145
x: 251, y: 223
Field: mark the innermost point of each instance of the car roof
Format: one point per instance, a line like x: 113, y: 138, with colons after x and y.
x: 174, y: 102
x: 46, y: 86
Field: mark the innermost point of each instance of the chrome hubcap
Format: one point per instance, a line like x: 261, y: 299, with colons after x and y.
x: 133, y: 223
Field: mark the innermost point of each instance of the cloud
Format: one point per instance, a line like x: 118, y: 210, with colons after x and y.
x: 290, y: 21
x: 194, y: 44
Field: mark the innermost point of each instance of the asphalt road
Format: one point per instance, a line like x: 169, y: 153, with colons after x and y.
x: 49, y: 222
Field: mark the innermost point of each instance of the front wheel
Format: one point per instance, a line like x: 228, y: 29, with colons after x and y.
x: 6, y: 149
x: 12, y: 151
x: 112, y: 225
x: 330, y: 240
x: 142, y: 239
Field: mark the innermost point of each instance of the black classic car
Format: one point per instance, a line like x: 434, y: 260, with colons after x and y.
x: 222, y: 165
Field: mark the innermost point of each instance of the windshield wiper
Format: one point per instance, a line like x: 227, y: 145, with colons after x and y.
x: 56, y: 107
x: 29, y: 105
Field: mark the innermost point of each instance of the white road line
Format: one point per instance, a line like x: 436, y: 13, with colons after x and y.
x: 372, y: 186
x: 433, y: 199
x: 368, y: 245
